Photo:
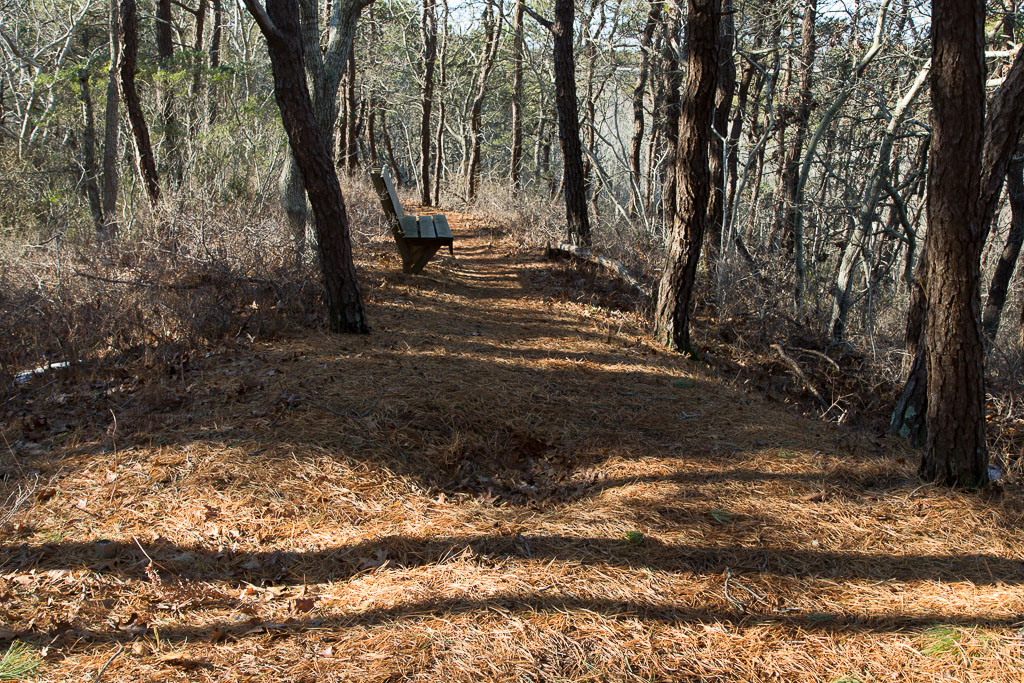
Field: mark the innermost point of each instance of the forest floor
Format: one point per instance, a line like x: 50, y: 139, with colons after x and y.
x: 498, y: 484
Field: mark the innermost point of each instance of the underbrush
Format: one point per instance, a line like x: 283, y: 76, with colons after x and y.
x: 166, y: 287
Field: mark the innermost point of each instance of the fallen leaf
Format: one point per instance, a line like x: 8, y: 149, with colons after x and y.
x: 303, y: 604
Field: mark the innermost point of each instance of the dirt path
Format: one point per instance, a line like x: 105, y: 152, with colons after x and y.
x: 498, y: 483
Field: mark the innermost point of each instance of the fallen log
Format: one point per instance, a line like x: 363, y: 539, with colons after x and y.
x: 566, y: 250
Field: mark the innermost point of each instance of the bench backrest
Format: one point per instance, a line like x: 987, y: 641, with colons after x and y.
x: 385, y: 187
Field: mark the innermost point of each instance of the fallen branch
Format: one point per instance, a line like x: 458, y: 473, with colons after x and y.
x: 566, y: 250
x: 802, y: 377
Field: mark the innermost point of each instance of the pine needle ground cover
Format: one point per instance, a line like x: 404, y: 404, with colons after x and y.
x: 499, y: 483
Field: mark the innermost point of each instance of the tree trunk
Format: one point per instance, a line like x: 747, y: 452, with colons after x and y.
x: 1011, y: 250
x: 790, y: 219
x: 129, y: 48
x: 720, y: 124
x: 352, y: 120
x: 168, y: 121
x: 515, y: 165
x: 429, y: 31
x: 693, y: 182
x: 670, y: 112
x: 573, y: 186
x: 324, y: 69
x: 280, y: 25
x: 92, y: 190
x: 442, y: 107
x: 955, y: 454
x: 111, y: 127
x: 636, y: 142
x: 492, y: 31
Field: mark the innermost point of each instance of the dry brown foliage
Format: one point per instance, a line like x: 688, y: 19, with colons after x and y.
x: 501, y: 483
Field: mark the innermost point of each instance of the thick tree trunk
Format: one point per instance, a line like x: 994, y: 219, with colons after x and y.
x: 129, y: 48
x: 1011, y: 249
x: 693, y: 182
x: 324, y: 70
x: 111, y: 127
x: 573, y: 186
x: 955, y: 453
x: 429, y: 31
x: 639, y: 90
x: 91, y: 172
x: 311, y: 149
x: 516, y: 163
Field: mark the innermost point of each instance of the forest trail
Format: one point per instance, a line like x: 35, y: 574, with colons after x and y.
x: 497, y: 484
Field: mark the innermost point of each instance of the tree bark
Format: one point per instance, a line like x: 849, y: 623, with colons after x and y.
x: 429, y: 31
x: 111, y: 127
x: 955, y: 453
x: 129, y: 48
x: 280, y: 26
x: 488, y: 55
x: 693, y: 182
x: 324, y: 70
x: 168, y: 120
x: 670, y: 111
x: 788, y: 219
x: 515, y: 165
x: 1011, y: 249
x: 720, y: 124
x: 92, y: 190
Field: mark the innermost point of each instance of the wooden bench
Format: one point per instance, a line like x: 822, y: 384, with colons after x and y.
x: 418, y: 237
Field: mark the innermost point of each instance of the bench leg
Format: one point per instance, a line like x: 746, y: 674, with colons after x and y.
x: 421, y: 255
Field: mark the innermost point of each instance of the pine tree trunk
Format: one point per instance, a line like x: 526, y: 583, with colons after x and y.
x: 573, y: 184
x: 955, y: 453
x: 111, y: 127
x: 515, y: 165
x: 91, y: 172
x: 693, y: 180
x: 1011, y: 249
x: 129, y: 48
x: 429, y: 32
x: 312, y: 154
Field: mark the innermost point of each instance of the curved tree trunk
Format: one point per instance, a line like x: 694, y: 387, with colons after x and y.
x: 324, y: 70
x: 311, y: 150
x: 129, y: 48
x: 1011, y: 250
x: 693, y: 181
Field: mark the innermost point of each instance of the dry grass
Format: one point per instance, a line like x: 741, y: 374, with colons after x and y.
x: 500, y: 483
